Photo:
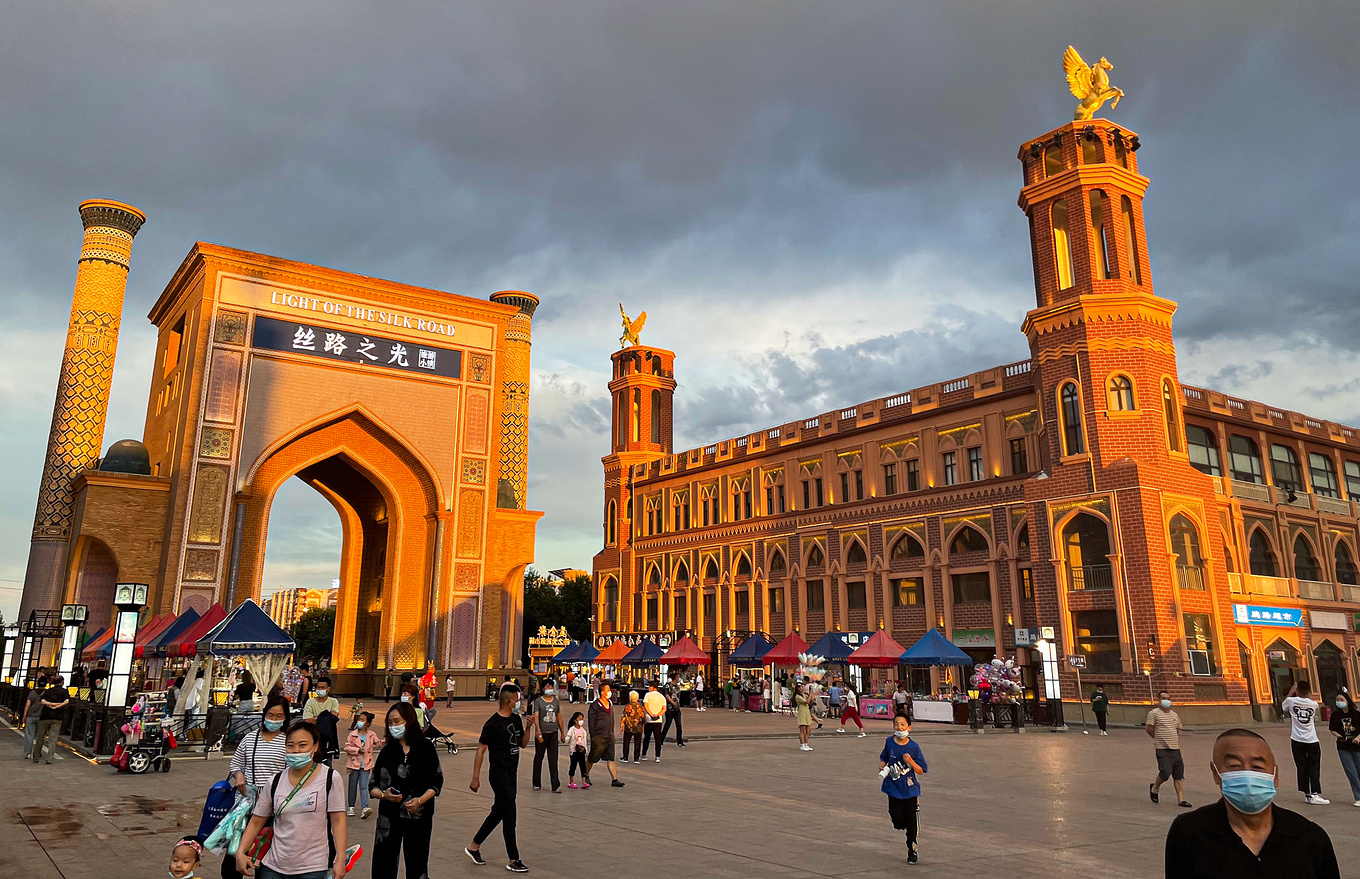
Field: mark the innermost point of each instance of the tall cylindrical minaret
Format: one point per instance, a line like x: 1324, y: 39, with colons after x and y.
x: 77, y: 430
x: 514, y: 391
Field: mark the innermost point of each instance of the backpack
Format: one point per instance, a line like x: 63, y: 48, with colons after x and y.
x: 221, y: 797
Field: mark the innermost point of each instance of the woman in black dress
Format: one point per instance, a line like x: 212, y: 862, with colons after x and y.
x: 406, y: 779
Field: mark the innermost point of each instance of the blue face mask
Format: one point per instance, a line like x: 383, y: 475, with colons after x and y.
x: 300, y: 761
x: 1248, y: 792
x: 273, y: 725
x: 1166, y: 704
x: 396, y: 730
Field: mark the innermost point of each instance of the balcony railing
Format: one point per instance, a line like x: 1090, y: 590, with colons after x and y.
x: 1350, y: 593
x: 1085, y: 578
x: 1190, y: 577
x: 1251, y: 490
x: 1316, y: 590
x: 1276, y: 586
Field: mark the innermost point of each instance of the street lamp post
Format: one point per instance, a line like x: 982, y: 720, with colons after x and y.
x: 25, y: 655
x: 72, y: 618
x: 1048, y: 654
x: 11, y: 638
x: 129, y: 598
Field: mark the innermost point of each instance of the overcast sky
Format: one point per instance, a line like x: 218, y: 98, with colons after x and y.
x: 814, y: 202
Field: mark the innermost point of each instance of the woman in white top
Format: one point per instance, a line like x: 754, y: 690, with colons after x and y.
x: 258, y: 758
x: 699, y: 691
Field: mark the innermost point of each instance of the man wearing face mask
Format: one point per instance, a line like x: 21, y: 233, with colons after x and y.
x: 1164, y: 726
x: 546, y: 713
x: 323, y: 709
x: 1244, y: 835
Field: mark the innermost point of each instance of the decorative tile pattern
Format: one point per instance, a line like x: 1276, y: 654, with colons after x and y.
x: 463, y: 642
x: 466, y: 578
x: 514, y: 464
x: 223, y: 380
x: 210, y: 492
x: 215, y: 443
x: 470, y: 524
x: 474, y: 471
x: 231, y: 327
x: 474, y: 423
x: 479, y: 368
x: 200, y: 564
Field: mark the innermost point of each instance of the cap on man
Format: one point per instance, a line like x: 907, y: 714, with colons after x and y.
x: 1245, y: 835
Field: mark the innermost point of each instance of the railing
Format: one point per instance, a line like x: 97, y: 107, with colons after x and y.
x: 847, y: 414
x: 1190, y: 577
x: 1234, y: 583
x: 1256, y: 585
x: 957, y: 384
x: 1018, y: 368
x: 1316, y: 590
x: 1236, y: 404
x: 1192, y: 393
x: 1087, y: 578
x: 1333, y: 505
x: 772, y: 433
x: 1350, y: 593
x: 811, y: 424
x: 741, y: 442
x: 1251, y: 491
x: 899, y: 400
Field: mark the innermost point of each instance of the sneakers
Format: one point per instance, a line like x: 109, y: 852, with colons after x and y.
x: 1152, y: 794
x: 912, y: 857
x: 365, y: 813
x: 350, y: 811
x: 862, y: 734
x: 636, y: 761
x: 558, y: 789
x: 1104, y: 732
x: 841, y: 730
x: 805, y: 747
x: 616, y: 783
x: 658, y: 759
x: 517, y: 867
x: 572, y: 785
x: 1317, y: 800
x: 476, y: 857
x: 682, y: 745
x: 538, y: 787
x: 585, y: 785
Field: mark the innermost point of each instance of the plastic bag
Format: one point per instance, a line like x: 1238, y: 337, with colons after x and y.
x: 226, y: 837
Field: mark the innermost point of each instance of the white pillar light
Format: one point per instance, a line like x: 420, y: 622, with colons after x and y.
x: 72, y: 618
x: 11, y: 638
x: 129, y: 598
x: 21, y: 676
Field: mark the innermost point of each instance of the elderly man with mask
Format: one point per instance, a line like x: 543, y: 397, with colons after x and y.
x: 1244, y: 835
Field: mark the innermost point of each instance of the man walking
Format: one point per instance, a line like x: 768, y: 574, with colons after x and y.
x: 672, y: 715
x: 600, y: 725
x: 653, y: 712
x: 547, y: 716
x: 32, y: 711
x: 387, y: 686
x: 450, y: 687
x: 53, y: 704
x: 502, y: 736
x: 1303, y: 741
x: 835, y: 695
x: 699, y: 691
x: 1164, y: 726
x: 1100, y: 706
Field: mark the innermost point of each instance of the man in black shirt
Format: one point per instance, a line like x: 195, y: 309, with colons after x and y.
x: 1244, y: 835
x: 53, y: 704
x: 502, y: 736
x: 672, y: 694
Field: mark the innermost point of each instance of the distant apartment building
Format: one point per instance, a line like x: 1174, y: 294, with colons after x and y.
x: 285, y: 606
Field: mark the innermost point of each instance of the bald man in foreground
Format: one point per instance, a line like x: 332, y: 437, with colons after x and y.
x: 1244, y: 835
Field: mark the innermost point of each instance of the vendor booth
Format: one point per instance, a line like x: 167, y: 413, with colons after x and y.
x: 685, y: 652
x: 248, y: 638
x: 935, y: 650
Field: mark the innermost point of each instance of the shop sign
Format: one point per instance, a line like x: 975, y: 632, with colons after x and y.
x: 1357, y: 621
x: 974, y: 638
x: 1275, y: 654
x: 1025, y: 637
x: 549, y: 636
x: 632, y: 639
x: 1327, y: 619
x: 1075, y: 661
x: 330, y: 343
x: 1258, y: 615
x: 1046, y: 633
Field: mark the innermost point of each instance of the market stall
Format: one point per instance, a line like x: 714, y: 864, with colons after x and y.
x: 752, y: 654
x: 879, y: 651
x: 154, y: 651
x: 247, y: 636
x: 934, y: 649
x: 786, y: 652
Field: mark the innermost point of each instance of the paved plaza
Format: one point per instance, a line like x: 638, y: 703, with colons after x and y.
x: 740, y: 801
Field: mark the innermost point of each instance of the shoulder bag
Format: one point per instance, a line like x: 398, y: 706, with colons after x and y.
x: 260, y: 847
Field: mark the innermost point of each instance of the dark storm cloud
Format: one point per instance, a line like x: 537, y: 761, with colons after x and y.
x: 717, y: 162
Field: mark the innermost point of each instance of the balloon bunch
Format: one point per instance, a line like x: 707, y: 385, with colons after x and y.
x: 1001, y: 678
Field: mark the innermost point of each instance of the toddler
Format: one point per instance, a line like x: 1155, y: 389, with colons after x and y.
x: 185, y: 857
x: 576, y: 747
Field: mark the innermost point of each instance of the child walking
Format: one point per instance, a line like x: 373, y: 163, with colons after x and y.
x: 576, y: 747
x: 898, y: 765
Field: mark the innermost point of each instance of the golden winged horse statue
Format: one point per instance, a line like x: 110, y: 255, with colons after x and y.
x: 631, y: 328
x: 1091, y: 84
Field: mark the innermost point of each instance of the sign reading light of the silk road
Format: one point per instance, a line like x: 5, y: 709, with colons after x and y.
x: 352, y: 347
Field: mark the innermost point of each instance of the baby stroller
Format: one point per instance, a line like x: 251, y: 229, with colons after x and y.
x: 146, y: 745
x: 438, y: 738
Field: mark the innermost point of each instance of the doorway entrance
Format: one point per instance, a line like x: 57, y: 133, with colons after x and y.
x: 1282, y: 664
x: 1331, y: 672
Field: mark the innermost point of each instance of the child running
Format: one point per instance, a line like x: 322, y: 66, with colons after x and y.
x: 185, y: 857
x: 576, y: 748
x: 898, y: 766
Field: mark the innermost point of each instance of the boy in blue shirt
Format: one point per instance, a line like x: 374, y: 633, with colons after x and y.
x: 898, y: 765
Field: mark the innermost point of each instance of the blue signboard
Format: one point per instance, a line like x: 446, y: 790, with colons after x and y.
x: 1260, y: 615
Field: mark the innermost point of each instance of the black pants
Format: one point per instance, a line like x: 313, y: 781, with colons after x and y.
x: 1308, y: 762
x: 502, y: 813
x: 904, y: 814
x: 578, y: 761
x: 634, y: 739
x: 650, y: 731
x: 673, y: 717
x: 399, y: 835
x: 549, y: 747
x: 387, y: 693
x: 1100, y: 720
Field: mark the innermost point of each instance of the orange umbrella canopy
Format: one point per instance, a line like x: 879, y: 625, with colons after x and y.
x: 684, y: 652
x: 880, y: 651
x: 613, y: 653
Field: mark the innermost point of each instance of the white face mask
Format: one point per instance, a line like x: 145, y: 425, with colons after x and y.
x: 902, y: 734
x: 405, y: 698
x: 321, y: 694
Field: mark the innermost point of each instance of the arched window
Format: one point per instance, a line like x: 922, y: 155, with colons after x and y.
x: 656, y: 417
x: 711, y: 569
x: 1062, y: 243
x: 1203, y: 450
x: 682, y: 573
x: 1262, y: 558
x: 654, y: 576
x: 1086, y: 543
x: 743, y: 566
x: 611, y: 601
x: 1071, y: 420
x: 1022, y: 543
x: 1098, y: 202
x: 1053, y: 161
x: 1120, y: 393
x: 855, y: 555
x: 1345, y: 565
x: 621, y: 416
x: 1121, y: 152
x: 1135, y: 269
x: 815, y: 557
x: 907, y: 547
x: 637, y: 415
x: 611, y: 521
x: 1284, y: 467
x: 1189, y: 562
x: 1244, y: 460
x: 969, y: 539
x: 1090, y: 150
x: 1305, y: 563
x: 777, y: 563
x: 1172, y: 411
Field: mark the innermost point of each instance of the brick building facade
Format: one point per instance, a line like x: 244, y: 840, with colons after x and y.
x: 1084, y: 489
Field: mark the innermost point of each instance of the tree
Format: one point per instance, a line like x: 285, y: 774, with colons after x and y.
x: 314, y: 631
x: 546, y: 605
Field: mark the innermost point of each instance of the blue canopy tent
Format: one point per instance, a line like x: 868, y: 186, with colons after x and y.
x: 645, y: 653
x: 248, y: 634
x: 171, y: 633
x: 934, y: 649
x: 575, y: 652
x: 832, y: 647
x: 751, y: 653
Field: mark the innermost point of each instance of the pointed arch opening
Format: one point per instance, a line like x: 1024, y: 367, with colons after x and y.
x: 907, y: 547
x: 1306, y: 565
x: 1062, y: 243
x: 1086, y: 546
x: 1262, y: 562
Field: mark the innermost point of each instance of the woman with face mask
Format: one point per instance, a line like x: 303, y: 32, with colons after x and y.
x: 406, y: 778
x: 1345, y: 727
x: 259, y: 758
x: 306, y: 805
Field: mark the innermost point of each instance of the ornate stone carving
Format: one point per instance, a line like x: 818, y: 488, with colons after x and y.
x: 215, y: 443
x: 210, y: 492
x: 200, y: 564
x: 479, y: 368
x: 469, y: 523
x: 231, y: 328
x: 474, y: 471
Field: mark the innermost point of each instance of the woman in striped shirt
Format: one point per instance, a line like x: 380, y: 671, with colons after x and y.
x: 259, y: 758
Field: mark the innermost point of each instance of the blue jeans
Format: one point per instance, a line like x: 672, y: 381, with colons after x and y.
x: 1350, y: 761
x: 263, y: 872
x: 30, y: 733
x: 358, y: 781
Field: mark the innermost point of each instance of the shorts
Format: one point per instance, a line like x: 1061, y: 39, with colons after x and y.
x: 601, y: 750
x: 1170, y: 764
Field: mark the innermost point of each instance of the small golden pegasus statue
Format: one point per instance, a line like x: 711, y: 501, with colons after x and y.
x: 631, y: 328
x: 1089, y: 83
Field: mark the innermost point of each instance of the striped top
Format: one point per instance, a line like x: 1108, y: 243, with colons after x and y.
x: 259, y: 760
x: 1166, y: 729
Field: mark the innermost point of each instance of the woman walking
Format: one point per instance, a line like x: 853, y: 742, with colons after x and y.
x: 307, y: 804
x: 632, y: 725
x: 359, y: 759
x: 259, y: 758
x: 850, y: 709
x: 1345, y: 726
x: 804, y: 715
x: 406, y: 778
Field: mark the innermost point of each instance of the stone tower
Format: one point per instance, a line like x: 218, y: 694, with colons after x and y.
x: 73, y: 444
x: 512, y: 491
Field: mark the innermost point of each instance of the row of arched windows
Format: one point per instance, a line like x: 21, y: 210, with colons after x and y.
x: 1100, y: 223
x: 1262, y: 561
x: 1119, y: 397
